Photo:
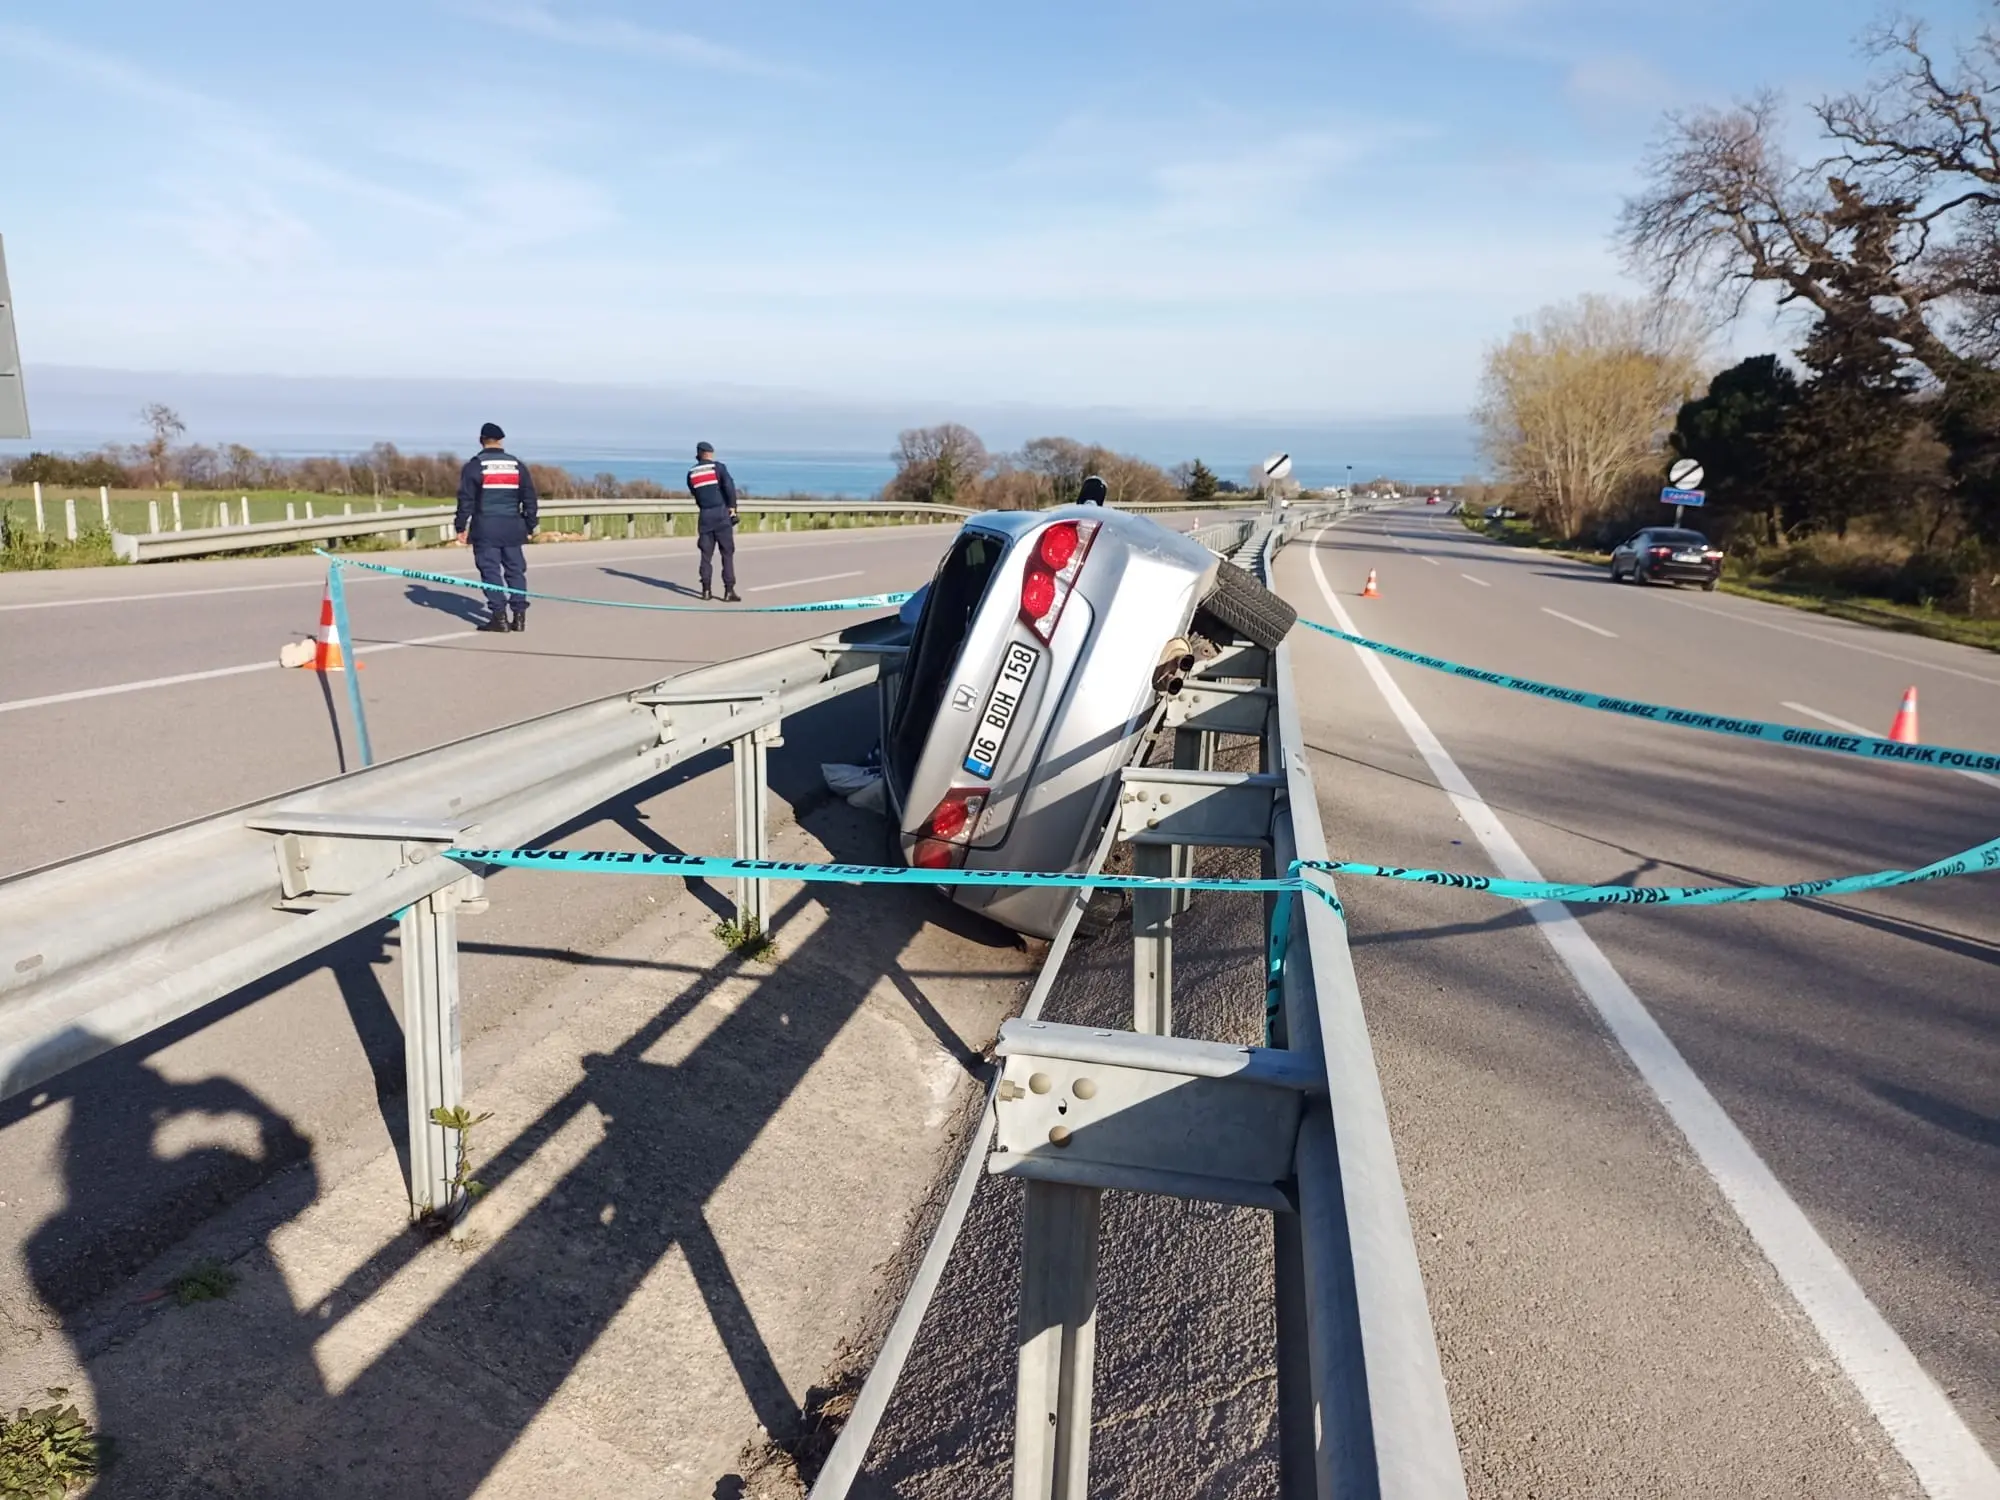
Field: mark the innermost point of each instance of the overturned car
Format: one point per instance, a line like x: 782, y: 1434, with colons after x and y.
x: 1044, y: 642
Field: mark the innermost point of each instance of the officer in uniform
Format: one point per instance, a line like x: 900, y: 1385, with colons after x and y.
x: 497, y: 512
x: 715, y: 499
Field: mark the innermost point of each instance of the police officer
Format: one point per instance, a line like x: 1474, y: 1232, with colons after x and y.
x: 715, y: 499
x: 497, y: 511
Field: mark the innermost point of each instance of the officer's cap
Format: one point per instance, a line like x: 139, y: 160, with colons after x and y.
x: 702, y: 449
x: 490, y: 432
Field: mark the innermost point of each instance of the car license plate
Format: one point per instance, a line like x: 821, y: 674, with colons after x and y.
x: 1687, y: 557
x: 1001, y: 704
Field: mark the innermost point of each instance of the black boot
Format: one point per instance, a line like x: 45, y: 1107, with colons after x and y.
x: 520, y: 621
x: 495, y: 626
x: 705, y: 594
x: 730, y: 596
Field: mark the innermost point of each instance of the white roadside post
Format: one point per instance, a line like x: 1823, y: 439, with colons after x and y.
x: 153, y: 517
x: 69, y: 516
x: 177, y: 510
x: 41, y: 521
x: 104, y: 505
x: 246, y: 510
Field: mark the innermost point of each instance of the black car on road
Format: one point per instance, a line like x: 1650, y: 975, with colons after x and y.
x: 1668, y: 554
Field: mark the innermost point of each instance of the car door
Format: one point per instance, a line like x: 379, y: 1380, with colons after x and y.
x: 1624, y: 553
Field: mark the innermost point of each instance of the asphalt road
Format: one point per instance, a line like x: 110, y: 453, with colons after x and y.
x: 1632, y: 1297
x: 103, y: 743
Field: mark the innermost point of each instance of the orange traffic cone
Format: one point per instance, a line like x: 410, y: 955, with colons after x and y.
x: 327, y: 655
x: 1368, y: 589
x: 1904, y: 730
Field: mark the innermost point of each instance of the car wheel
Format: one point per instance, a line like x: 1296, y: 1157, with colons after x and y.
x: 1246, y: 608
x: 1616, y: 576
x: 1709, y: 586
x: 1639, y: 576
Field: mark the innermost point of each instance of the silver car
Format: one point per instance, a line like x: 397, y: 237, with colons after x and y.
x: 1044, y: 642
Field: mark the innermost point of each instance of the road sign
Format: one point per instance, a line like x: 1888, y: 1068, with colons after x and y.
x: 13, y: 395
x: 1685, y: 475
x: 1278, y: 466
x: 1672, y: 496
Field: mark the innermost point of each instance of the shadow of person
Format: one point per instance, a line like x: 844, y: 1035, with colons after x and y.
x: 685, y: 590
x: 172, y: 1408
x: 468, y: 607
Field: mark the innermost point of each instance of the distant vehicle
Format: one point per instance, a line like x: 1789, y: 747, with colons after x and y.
x: 1667, y: 554
x: 1045, y: 640
x: 1501, y: 513
x: 1432, y: 498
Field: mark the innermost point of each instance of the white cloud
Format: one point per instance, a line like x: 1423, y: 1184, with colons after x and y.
x: 614, y: 34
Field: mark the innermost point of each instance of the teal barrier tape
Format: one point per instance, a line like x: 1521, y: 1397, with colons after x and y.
x: 351, y: 656
x: 1865, y: 746
x: 1979, y: 859
x: 452, y: 580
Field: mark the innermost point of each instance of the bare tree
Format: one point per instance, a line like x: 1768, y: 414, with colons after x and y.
x: 940, y: 465
x: 165, y: 425
x: 1576, y: 403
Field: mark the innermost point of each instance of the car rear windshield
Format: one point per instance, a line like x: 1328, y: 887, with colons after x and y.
x: 961, y: 582
x: 1672, y: 538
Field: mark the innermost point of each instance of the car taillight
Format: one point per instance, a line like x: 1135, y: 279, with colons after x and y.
x: 1712, y: 555
x: 1051, y: 573
x: 941, y: 841
x: 1663, y: 552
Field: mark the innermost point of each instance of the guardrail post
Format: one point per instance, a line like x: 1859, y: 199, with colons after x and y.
x: 1153, y: 942
x: 1194, y: 750
x: 431, y: 1073
x: 751, y: 756
x: 1058, y: 1342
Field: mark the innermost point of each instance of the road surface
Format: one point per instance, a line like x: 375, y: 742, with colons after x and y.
x: 1608, y: 1323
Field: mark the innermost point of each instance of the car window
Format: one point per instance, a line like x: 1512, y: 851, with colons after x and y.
x: 949, y: 606
x: 1673, y: 538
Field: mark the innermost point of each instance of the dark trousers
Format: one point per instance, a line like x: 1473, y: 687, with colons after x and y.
x: 713, y: 535
x: 501, y: 562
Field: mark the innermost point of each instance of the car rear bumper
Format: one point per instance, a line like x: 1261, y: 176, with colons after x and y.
x: 1673, y: 572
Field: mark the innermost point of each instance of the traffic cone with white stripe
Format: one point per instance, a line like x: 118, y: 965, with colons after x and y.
x: 1904, y: 730
x: 1368, y: 589
x: 327, y: 655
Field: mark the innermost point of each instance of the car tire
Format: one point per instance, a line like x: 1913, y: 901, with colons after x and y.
x: 1709, y: 586
x: 1243, y: 606
x: 1616, y: 576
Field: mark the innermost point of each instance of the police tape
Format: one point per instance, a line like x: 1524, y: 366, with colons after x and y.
x: 453, y: 580
x: 1866, y: 746
x: 1980, y: 859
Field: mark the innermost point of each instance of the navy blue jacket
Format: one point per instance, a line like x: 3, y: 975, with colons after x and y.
x: 496, y: 484
x: 711, y: 486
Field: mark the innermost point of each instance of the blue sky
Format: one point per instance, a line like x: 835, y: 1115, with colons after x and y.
x: 1262, y: 207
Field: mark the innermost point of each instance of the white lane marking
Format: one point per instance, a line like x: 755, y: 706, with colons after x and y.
x: 1827, y: 640
x: 1433, y: 562
x: 1480, y: 581
x: 1853, y: 728
x: 1926, y: 1429
x: 361, y: 575
x: 797, y: 583
x: 114, y: 689
x: 247, y: 588
x: 1580, y: 624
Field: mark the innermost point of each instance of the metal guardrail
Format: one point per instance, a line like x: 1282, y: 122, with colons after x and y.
x: 163, y: 546
x: 104, y: 948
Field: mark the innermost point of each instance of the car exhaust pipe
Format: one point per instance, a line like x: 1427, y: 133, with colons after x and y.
x: 1170, y: 676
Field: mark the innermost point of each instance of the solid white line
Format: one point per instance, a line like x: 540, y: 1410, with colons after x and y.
x: 359, y: 576
x: 1433, y: 562
x: 1827, y: 640
x: 1580, y: 624
x: 1480, y: 581
x: 114, y: 689
x: 1853, y: 728
x: 765, y: 588
x: 1926, y: 1429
